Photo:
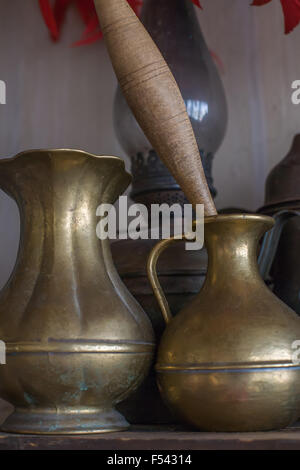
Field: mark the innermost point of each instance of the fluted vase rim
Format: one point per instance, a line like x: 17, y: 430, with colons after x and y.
x: 62, y: 150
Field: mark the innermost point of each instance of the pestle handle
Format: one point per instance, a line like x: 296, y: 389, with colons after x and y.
x: 154, y: 98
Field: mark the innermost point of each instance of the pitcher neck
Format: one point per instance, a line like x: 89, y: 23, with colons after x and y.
x: 232, y: 242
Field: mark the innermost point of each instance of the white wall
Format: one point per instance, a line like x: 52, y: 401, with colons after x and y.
x: 59, y: 96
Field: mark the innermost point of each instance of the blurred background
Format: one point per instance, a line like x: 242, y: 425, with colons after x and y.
x: 59, y: 96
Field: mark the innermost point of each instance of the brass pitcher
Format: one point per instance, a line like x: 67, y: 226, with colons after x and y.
x: 77, y: 342
x: 227, y: 361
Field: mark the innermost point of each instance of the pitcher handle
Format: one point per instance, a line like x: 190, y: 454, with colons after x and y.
x: 271, y: 241
x: 155, y: 253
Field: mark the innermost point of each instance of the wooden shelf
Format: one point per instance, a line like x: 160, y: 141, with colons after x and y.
x: 155, y: 438
x: 158, y: 438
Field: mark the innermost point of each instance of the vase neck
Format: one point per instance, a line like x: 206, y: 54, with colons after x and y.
x: 58, y: 193
x: 60, y: 256
x: 232, y: 244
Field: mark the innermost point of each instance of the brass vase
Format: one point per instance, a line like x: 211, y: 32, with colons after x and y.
x: 225, y: 362
x: 77, y: 342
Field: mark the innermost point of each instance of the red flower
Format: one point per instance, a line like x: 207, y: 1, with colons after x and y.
x: 197, y: 2
x: 291, y: 10
x: 54, y: 13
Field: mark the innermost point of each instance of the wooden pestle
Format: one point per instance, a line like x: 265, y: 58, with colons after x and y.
x: 154, y: 98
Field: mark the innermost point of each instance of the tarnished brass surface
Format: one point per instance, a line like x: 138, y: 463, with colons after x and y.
x: 225, y: 362
x: 77, y: 342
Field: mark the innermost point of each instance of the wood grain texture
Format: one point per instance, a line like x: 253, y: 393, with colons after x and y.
x: 156, y: 438
x: 154, y: 97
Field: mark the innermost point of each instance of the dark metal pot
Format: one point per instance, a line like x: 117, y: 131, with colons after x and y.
x: 283, y: 194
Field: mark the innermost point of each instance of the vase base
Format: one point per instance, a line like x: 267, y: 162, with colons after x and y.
x: 66, y: 421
